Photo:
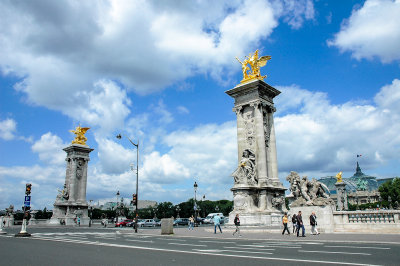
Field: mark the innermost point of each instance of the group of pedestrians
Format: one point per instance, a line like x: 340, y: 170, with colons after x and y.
x: 297, y: 221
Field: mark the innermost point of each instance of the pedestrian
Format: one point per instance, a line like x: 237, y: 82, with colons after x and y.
x: 313, y: 223
x: 217, y: 222
x: 300, y: 225
x: 236, y: 221
x: 294, y: 222
x: 191, y: 222
x: 285, y: 222
x: 79, y: 221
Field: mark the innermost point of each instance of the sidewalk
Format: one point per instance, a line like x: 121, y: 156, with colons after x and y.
x: 264, y: 233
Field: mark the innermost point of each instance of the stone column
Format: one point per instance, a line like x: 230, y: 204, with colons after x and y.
x: 341, y: 193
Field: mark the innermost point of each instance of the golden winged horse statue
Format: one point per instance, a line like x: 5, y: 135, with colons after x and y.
x: 80, y: 135
x: 255, y: 62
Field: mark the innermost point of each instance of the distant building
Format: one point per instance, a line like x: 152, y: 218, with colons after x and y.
x: 361, y: 188
x: 141, y: 205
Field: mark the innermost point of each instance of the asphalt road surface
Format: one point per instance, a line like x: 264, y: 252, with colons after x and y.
x: 89, y: 246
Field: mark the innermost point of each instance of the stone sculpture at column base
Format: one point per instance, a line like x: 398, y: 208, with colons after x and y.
x: 71, y: 201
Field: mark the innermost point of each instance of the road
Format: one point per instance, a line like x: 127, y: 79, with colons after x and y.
x: 111, y: 246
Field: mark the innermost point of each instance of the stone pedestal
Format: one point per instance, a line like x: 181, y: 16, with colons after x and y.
x: 71, y: 201
x: 341, y: 193
x: 325, y: 221
x: 167, y: 226
x: 257, y: 191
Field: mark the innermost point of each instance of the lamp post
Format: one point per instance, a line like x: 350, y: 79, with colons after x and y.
x: 195, y: 205
x: 119, y: 136
x: 216, y: 208
x: 91, y: 213
x: 116, y: 208
x: 177, y: 210
x: 204, y: 210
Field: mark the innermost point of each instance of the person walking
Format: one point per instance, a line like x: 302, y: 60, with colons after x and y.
x: 236, y: 221
x: 313, y: 223
x: 294, y: 222
x: 217, y: 222
x: 79, y: 221
x: 300, y: 225
x: 285, y: 222
x: 191, y: 222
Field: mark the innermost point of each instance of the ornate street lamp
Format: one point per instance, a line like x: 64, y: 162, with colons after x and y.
x: 216, y: 208
x: 116, y: 208
x: 119, y: 136
x: 195, y: 204
x: 177, y: 210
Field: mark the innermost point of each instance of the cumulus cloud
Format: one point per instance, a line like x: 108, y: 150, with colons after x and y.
x: 371, y: 31
x: 66, y: 53
x: 49, y: 148
x: 324, y: 138
x: 8, y: 128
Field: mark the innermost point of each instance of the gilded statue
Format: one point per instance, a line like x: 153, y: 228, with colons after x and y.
x: 339, y: 177
x: 80, y: 135
x: 251, y: 66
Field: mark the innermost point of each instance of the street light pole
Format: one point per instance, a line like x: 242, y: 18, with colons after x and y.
x: 119, y: 136
x: 116, y: 208
x: 195, y: 205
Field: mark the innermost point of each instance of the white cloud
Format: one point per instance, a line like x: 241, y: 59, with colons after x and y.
x: 8, y: 127
x: 372, y: 31
x: 60, y: 49
x: 49, y: 148
x: 322, y: 137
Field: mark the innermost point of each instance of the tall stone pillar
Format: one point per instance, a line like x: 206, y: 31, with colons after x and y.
x: 341, y: 193
x: 71, y: 201
x: 257, y: 190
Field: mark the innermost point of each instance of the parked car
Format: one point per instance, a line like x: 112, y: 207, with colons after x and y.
x: 199, y: 220
x: 181, y: 221
x: 210, y: 217
x: 123, y: 223
x: 149, y: 223
x: 131, y: 224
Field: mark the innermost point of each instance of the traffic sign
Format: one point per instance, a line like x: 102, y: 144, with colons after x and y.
x: 27, y: 198
x: 27, y: 204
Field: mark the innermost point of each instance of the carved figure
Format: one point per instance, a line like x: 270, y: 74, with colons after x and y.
x: 80, y: 135
x: 255, y: 63
x: 278, y: 201
x: 339, y: 177
x: 10, y: 210
x: 63, y: 194
x: 294, y: 180
x: 306, y: 192
x: 246, y: 171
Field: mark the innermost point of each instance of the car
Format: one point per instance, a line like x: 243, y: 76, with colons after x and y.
x: 199, y: 220
x: 210, y: 217
x: 181, y: 221
x: 123, y: 223
x: 131, y: 224
x: 149, y: 223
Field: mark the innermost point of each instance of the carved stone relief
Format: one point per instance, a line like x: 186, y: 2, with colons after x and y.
x: 249, y: 126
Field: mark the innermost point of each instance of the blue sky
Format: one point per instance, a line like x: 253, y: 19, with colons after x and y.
x: 158, y: 73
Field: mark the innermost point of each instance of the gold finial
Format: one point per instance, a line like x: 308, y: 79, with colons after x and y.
x: 339, y: 177
x: 253, y: 72
x: 80, y: 135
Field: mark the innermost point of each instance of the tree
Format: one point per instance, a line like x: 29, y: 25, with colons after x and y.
x: 390, y: 189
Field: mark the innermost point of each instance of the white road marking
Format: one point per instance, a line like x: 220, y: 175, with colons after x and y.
x: 141, y: 241
x: 334, y: 252
x: 229, y: 250
x: 355, y: 247
x: 171, y: 239
x: 251, y: 248
x: 182, y: 244
x: 268, y: 246
x: 208, y: 253
x: 209, y: 241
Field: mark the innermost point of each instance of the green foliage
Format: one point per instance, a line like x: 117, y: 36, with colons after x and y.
x: 43, y: 214
x: 390, y: 189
